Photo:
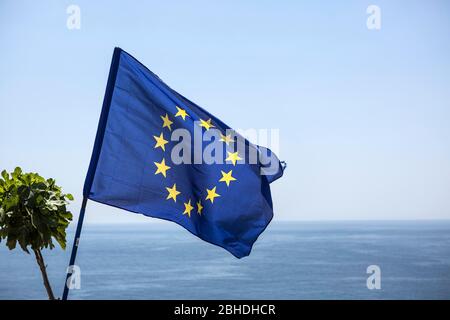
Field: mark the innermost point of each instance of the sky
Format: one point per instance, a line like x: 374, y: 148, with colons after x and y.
x: 363, y: 114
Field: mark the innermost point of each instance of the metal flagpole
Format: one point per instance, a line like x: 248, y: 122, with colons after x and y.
x: 94, y: 159
x: 76, y: 241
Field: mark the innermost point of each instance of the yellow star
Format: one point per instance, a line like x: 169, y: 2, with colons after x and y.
x: 173, y: 192
x: 206, y: 124
x: 199, y: 207
x: 188, y: 208
x: 233, y: 157
x: 162, y: 168
x: 212, y: 194
x: 160, y: 142
x: 226, y: 138
x: 166, y: 122
x: 181, y: 113
x: 227, y: 177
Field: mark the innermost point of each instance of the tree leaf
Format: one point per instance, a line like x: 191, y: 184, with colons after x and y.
x: 11, y: 243
x: 16, y: 173
x: 69, y: 196
x: 5, y: 175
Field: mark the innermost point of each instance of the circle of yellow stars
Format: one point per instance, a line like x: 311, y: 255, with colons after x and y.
x: 162, y: 168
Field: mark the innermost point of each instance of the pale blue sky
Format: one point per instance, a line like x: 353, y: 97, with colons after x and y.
x: 363, y: 115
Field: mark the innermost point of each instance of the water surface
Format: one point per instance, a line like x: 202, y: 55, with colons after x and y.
x: 291, y: 260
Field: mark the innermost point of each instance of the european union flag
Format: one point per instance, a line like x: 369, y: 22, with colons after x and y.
x: 157, y: 153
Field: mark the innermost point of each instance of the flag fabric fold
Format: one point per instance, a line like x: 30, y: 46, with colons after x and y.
x: 147, y: 160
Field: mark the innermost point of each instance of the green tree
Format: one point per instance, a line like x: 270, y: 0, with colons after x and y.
x: 33, y: 212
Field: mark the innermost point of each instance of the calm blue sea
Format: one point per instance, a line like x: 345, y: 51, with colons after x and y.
x: 291, y: 260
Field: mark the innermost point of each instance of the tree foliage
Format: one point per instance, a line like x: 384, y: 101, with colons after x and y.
x: 33, y: 211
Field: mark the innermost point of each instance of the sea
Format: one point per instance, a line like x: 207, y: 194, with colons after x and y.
x: 290, y: 260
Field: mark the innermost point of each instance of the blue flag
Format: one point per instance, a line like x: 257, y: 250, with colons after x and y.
x: 157, y: 153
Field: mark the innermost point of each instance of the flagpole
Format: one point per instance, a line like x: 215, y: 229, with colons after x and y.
x: 76, y: 241
x: 94, y: 159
